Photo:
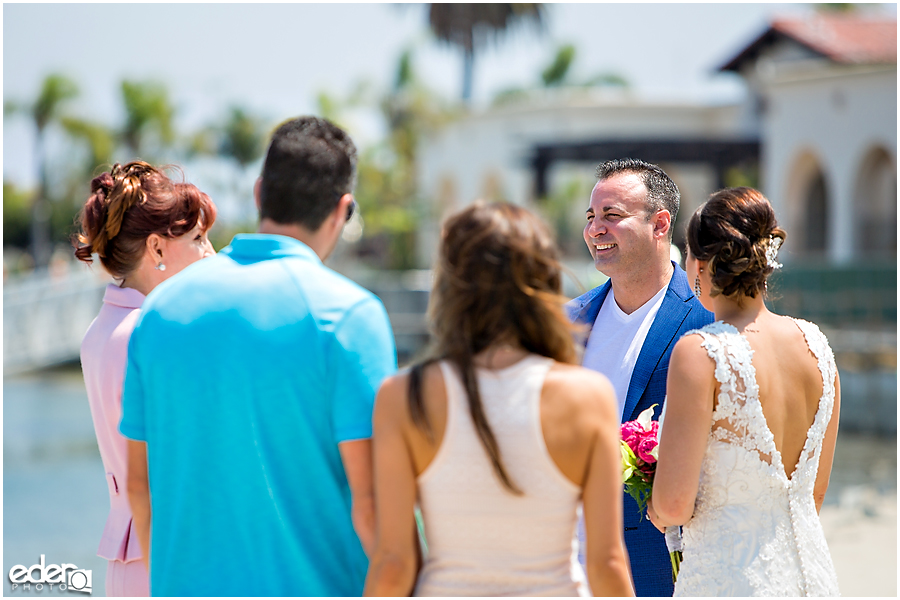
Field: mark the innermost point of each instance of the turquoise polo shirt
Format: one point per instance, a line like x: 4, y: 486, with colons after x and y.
x: 245, y: 372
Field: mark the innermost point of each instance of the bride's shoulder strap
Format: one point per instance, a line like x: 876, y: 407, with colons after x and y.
x: 731, y: 353
x: 818, y: 345
x: 713, y: 338
x: 712, y: 333
x: 815, y: 339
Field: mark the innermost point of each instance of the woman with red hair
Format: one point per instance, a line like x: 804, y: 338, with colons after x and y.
x: 145, y: 228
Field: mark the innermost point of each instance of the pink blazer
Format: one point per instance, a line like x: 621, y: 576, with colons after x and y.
x: 103, y: 357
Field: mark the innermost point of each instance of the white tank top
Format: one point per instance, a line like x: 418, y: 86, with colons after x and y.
x: 482, y: 539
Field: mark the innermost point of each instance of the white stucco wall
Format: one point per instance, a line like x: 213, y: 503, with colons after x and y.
x: 486, y: 155
x: 837, y: 114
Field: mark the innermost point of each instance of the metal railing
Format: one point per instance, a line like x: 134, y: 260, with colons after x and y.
x: 861, y: 295
x: 46, y: 314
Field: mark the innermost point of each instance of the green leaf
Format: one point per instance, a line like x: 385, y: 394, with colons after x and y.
x: 555, y: 73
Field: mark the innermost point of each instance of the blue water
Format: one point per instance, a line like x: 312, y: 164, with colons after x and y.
x: 55, y: 497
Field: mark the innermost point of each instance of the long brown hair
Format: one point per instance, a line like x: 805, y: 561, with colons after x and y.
x: 130, y: 202
x: 497, y: 280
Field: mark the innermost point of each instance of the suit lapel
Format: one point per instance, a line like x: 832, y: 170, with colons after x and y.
x: 585, y: 312
x: 671, y: 314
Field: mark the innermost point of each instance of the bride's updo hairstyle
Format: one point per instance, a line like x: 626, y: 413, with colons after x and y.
x: 130, y: 202
x: 497, y: 281
x: 736, y: 232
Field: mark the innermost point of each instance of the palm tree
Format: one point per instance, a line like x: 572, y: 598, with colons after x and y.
x: 239, y: 137
x: 243, y: 137
x: 472, y: 26
x: 46, y: 109
x: 149, y: 118
x: 100, y: 141
x: 386, y: 190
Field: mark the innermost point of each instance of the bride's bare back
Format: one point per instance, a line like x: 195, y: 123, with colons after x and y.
x: 789, y: 380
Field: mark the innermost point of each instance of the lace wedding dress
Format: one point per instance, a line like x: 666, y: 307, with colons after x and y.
x: 754, y: 531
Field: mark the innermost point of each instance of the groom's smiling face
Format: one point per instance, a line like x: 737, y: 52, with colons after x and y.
x: 619, y: 230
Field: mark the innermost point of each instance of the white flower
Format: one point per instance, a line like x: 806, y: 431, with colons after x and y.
x: 772, y: 252
x: 646, y: 417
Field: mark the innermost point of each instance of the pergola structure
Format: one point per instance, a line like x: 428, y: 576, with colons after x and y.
x: 720, y: 154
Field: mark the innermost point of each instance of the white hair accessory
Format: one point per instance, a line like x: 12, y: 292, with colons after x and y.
x: 772, y: 252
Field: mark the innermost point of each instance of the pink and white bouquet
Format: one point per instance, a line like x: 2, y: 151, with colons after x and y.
x: 640, y: 446
x: 640, y: 451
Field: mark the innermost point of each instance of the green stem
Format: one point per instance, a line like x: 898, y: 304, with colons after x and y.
x: 675, y: 557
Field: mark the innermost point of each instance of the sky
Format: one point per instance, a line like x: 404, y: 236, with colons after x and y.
x: 275, y: 58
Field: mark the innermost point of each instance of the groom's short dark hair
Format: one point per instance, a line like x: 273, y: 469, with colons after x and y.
x: 310, y: 164
x: 662, y: 193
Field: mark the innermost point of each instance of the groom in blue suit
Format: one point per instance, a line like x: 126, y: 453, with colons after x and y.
x: 635, y: 319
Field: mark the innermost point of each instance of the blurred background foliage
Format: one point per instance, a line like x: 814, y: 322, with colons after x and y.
x: 557, y: 74
x: 70, y: 149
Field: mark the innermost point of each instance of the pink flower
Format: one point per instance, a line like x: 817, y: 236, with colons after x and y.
x: 646, y: 447
x: 632, y: 432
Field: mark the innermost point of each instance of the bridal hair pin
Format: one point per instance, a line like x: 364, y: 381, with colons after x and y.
x: 772, y: 252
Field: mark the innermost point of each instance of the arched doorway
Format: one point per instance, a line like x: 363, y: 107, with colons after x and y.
x: 815, y: 208
x: 809, y: 204
x: 875, y: 206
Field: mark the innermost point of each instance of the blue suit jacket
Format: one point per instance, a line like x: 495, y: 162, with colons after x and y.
x: 679, y: 313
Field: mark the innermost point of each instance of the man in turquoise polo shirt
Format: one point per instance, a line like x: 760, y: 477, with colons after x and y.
x: 248, y: 396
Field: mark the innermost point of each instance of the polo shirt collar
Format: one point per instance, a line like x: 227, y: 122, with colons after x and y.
x: 262, y: 246
x: 124, y: 297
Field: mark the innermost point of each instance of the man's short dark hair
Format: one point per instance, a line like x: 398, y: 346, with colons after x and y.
x: 310, y: 164
x: 662, y: 193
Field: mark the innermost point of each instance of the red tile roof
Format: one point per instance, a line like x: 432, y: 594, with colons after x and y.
x: 845, y: 39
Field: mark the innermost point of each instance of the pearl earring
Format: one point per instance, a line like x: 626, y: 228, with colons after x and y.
x: 160, y: 267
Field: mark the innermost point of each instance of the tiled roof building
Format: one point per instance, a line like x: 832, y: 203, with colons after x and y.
x: 825, y: 90
x: 844, y: 39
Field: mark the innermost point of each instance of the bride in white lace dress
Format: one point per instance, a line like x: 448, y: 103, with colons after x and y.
x: 751, y: 421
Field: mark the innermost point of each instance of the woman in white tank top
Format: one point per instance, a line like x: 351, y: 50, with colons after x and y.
x: 497, y: 435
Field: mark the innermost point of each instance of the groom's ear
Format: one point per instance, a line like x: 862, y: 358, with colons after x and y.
x: 662, y: 223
